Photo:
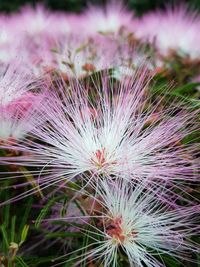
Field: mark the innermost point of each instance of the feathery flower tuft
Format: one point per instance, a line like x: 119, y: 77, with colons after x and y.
x: 110, y: 128
x: 18, y: 102
x: 134, y: 222
x: 79, y: 57
x: 109, y: 19
x: 173, y: 30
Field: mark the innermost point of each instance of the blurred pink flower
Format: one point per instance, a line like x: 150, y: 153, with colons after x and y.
x: 108, y: 19
x: 18, y: 102
x: 79, y: 56
x: 175, y: 29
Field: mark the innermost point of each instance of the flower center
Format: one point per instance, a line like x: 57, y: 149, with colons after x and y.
x: 100, y: 155
x: 116, y: 231
x: 99, y: 158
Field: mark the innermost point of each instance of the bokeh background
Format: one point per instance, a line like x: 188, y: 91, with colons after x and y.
x: 140, y: 6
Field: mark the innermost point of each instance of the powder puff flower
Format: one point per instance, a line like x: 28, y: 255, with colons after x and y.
x: 128, y: 60
x: 7, y: 35
x: 9, y: 39
x: 175, y: 29
x: 135, y: 223
x: 102, y: 128
x: 37, y: 54
x: 17, y: 121
x: 15, y: 81
x: 39, y: 23
x: 78, y: 57
x: 108, y: 19
x: 18, y: 102
x: 65, y: 24
x: 33, y: 21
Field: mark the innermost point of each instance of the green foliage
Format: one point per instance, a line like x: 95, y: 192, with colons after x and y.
x: 13, y: 230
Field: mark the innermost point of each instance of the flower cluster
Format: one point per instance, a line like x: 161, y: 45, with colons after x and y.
x: 93, y: 132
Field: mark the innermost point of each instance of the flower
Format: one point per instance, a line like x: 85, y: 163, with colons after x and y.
x: 175, y: 29
x: 18, y: 102
x: 78, y: 57
x: 15, y: 82
x: 19, y: 118
x: 34, y: 21
x: 109, y: 19
x: 133, y: 220
x: 101, y: 127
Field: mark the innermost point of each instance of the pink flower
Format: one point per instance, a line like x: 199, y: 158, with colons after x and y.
x: 133, y: 220
x: 79, y: 56
x: 107, y: 128
x: 18, y: 102
x: 174, y: 29
x: 33, y: 21
x: 108, y: 19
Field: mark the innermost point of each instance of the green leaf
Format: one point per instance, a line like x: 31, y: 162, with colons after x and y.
x: 5, y: 236
x: 198, y: 260
x: 85, y: 244
x: 20, y: 262
x: 193, y: 137
x: 194, y: 103
x: 29, y: 177
x: 12, y: 231
x: 187, y: 88
x: 24, y: 234
x: 6, y: 214
x: 71, y: 259
x: 25, y: 216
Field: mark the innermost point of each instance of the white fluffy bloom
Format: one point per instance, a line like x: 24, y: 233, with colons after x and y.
x: 101, y: 127
x: 175, y: 29
x: 134, y: 222
x: 108, y: 19
x: 18, y: 102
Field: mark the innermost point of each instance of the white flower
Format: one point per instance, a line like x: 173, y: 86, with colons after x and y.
x: 108, y: 19
x: 109, y: 135
x: 19, y: 104
x: 174, y: 29
x: 134, y: 221
x: 105, y: 128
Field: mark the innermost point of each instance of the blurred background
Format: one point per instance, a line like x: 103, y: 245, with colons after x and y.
x: 140, y: 6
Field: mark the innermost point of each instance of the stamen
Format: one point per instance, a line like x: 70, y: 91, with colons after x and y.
x: 100, y: 159
x: 116, y: 231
